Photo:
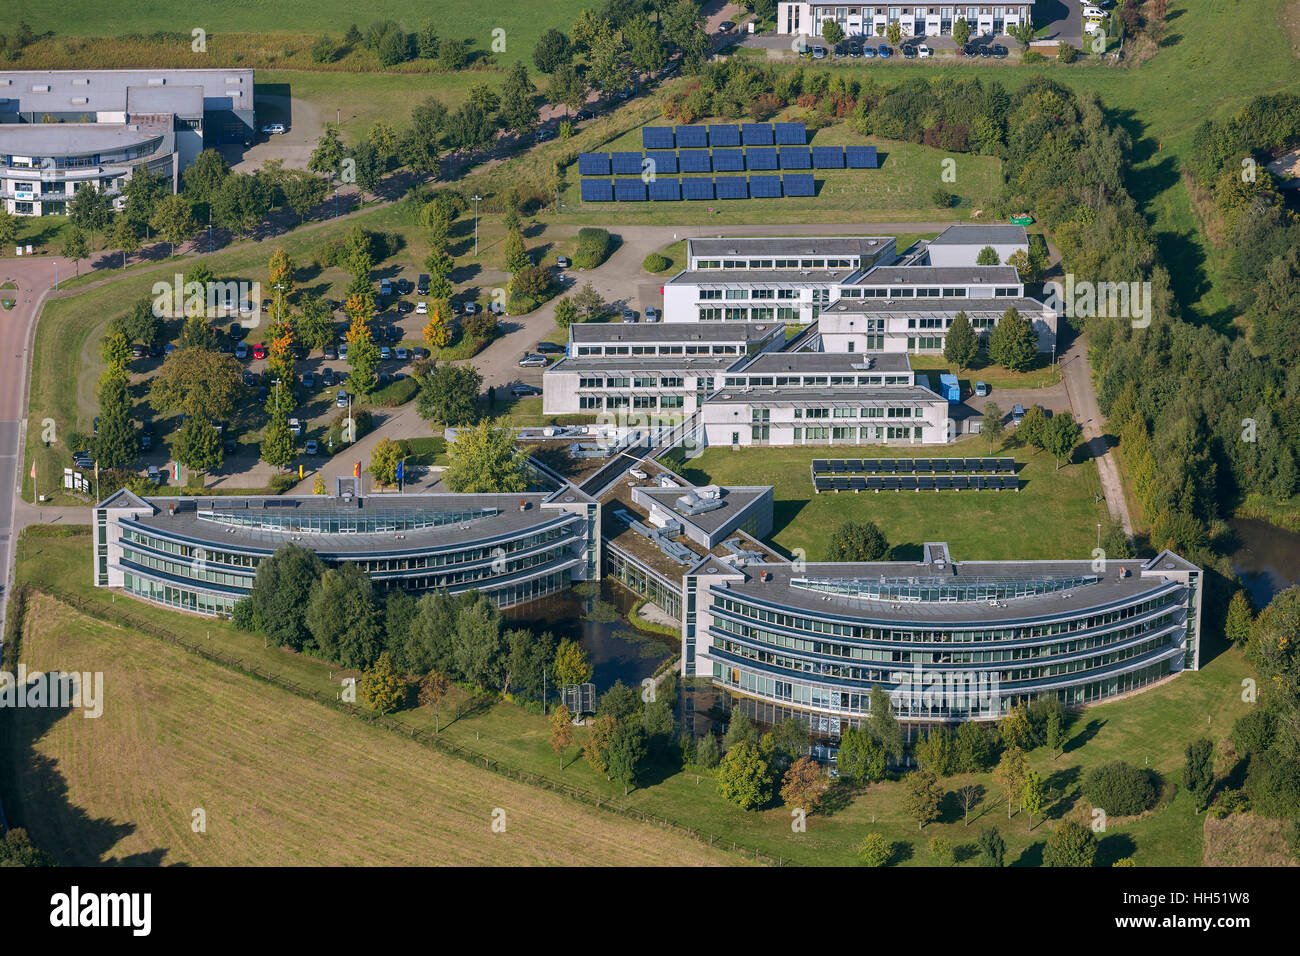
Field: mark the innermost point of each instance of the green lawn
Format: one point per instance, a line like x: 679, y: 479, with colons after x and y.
x: 1052, y: 516
x: 1150, y: 728
x: 1043, y: 374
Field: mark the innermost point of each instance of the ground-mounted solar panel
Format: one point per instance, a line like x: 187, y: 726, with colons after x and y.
x: 791, y: 134
x: 907, y: 482
x: 597, y: 190
x: 857, y: 483
x: 692, y: 137
x: 840, y: 484
x: 960, y: 482
x: 664, y: 189
x: 728, y: 160
x: 1006, y: 464
x: 820, y: 465
x: 943, y: 483
x: 905, y: 466
x: 943, y: 464
x: 854, y: 465
x: 694, y: 161
x: 874, y: 482
x: 593, y: 164
x: 697, y: 188
x: 724, y: 134
x: 629, y: 190
x: 793, y: 157
x: 761, y: 158
x: 664, y: 161
x: 657, y: 137
x: 889, y: 483
x: 757, y: 134
x: 798, y: 185
x: 975, y: 465
x: 888, y: 465
x: 626, y: 164
x: 922, y: 464
x: 860, y: 157
x: 828, y: 157
x: 870, y: 465
x: 732, y: 187
x: 1011, y: 482
x: 822, y: 484
x: 837, y: 465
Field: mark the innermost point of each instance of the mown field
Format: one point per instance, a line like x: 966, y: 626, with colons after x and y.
x: 281, y: 781
x: 1150, y: 728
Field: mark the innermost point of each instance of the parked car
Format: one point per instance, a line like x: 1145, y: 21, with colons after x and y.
x: 651, y: 314
x: 249, y: 378
x: 629, y: 315
x: 550, y: 348
x: 985, y: 51
x: 999, y: 51
x: 924, y: 52
x: 341, y: 399
x: 471, y: 308
x: 138, y: 351
x: 869, y: 52
x: 312, y: 447
x: 532, y: 361
x: 422, y: 285
x: 385, y: 287
x: 295, y: 427
x: 726, y: 26
x: 241, y: 350
x: 273, y: 129
x: 419, y: 353
x: 523, y: 391
x: 393, y: 333
x: 853, y: 50
x: 308, y: 380
x: 1017, y: 413
x: 909, y: 52
x: 259, y: 350
x: 884, y: 51
x: 981, y: 389
x: 561, y: 262
x: 385, y: 353
x: 330, y: 352
x: 404, y: 307
x: 422, y: 308
x: 401, y: 354
x: 970, y: 49
x: 155, y: 475
x: 327, y: 378
x: 146, y: 441
x: 496, y: 308
x: 343, y: 351
x: 403, y: 286
x: 819, y: 53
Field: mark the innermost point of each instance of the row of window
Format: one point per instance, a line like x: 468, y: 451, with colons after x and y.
x: 634, y: 401
x: 868, y: 433
x: 714, y: 264
x: 599, y: 350
x: 815, y: 381
x: 637, y: 381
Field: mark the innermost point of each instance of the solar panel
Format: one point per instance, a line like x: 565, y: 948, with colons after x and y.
x: 870, y: 465
x: 694, y: 161
x: 860, y: 157
x: 840, y: 484
x: 665, y: 161
x: 943, y: 464
x: 828, y: 157
x: 597, y: 190
x: 820, y: 464
x: 943, y: 483
x: 761, y: 158
x: 756, y: 134
x: 905, y: 465
x: 728, y: 160
x: 726, y: 134
x: 697, y: 188
x: 593, y: 164
x: 854, y: 465
x: 925, y: 483
x: 764, y: 187
x: 960, y: 482
x: 973, y: 464
x: 890, y: 483
x: 921, y: 464
x: 657, y: 137
x: 692, y: 137
x: 857, y: 484
x: 907, y: 483
x: 664, y: 189
x: 626, y: 164
x: 629, y: 190
x: 791, y: 134
x: 794, y: 158
x: 732, y: 187
x: 1011, y: 481
x: 837, y: 466
x: 1006, y: 464
x: 798, y: 185
x: 874, y: 482
x: 888, y: 464
x: 822, y: 484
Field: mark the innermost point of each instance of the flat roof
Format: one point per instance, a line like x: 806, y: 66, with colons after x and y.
x: 942, y: 274
x: 844, y: 362
x: 588, y: 333
x: 803, y: 395
x: 735, y: 499
x: 44, y: 139
x: 107, y: 90
x: 930, y: 305
x: 181, y: 100
x: 506, y: 522
x: 1109, y: 589
x: 646, y: 363
x: 789, y: 245
x: 812, y: 277
x: 979, y: 234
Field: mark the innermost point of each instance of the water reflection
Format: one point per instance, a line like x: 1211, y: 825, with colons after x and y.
x: 1267, y: 558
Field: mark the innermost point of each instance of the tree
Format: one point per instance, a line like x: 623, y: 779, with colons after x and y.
x: 280, y: 592
x: 8, y: 228
x: 1071, y: 844
x: 993, y: 849
x: 327, y: 157
x: 1055, y: 734
x: 1022, y: 33
x: 961, y: 344
x: 1012, y: 343
x: 197, y: 445
x: 1198, y: 771
x: 607, y: 60
x: 969, y: 794
x: 370, y: 166
x: 894, y: 33
x: 942, y: 851
x: 476, y: 643
x: 923, y: 796
x: 314, y: 324
x: 961, y: 31
x: 567, y: 86
x: 861, y: 758
x: 318, y: 487
x: 571, y: 664
x: 744, y: 777
x: 1240, y: 618
x: 626, y: 753
x: 90, y: 210
x: 344, y: 618
x: 124, y: 237
x: 1023, y: 266
x: 303, y: 191
x: 875, y: 850
x: 518, y: 95
x: 707, y: 752
x: 200, y: 383
x: 552, y: 51
x: 449, y: 394
x: 565, y: 313
x: 1120, y: 788
x: 363, y: 356
x: 383, y: 138
x: 16, y: 849
x: 75, y: 247
x: 804, y: 785
x: 740, y: 730
x: 383, y: 461
x: 988, y: 256
x: 937, y: 752
x: 451, y: 54
x: 973, y: 748
x: 323, y: 49
x: 242, y: 202
x: 992, y: 424
x: 204, y: 176
x: 278, y: 446
x: 852, y: 541
x: 486, y: 460
x: 433, y: 688
x: 426, y: 41
x: 516, y: 256
x: 173, y: 219
x: 470, y: 128
x: 882, y: 723
x: 382, y: 688
x: 833, y: 33
x: 115, y: 443
x: 1010, y: 775
x: 1060, y: 437
x: 1034, y: 797
x: 561, y: 731
x: 588, y: 301
x: 1032, y: 429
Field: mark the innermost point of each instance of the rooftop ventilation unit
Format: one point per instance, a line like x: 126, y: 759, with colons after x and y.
x: 692, y: 503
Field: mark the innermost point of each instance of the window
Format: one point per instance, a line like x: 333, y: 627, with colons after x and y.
x: 737, y: 293
x: 710, y: 293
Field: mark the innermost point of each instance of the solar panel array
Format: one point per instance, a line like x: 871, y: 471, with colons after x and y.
x: 626, y: 164
x: 593, y: 164
x: 665, y: 161
x: 692, y: 137
x: 664, y: 189
x: 597, y: 190
x: 702, y: 187
x: 629, y: 190
x: 879, y: 483
x: 765, y: 187
x: 657, y: 137
x: 728, y: 160
x: 732, y: 187
x: 724, y: 135
x: 868, y: 466
x: 828, y: 157
x: 757, y: 134
x: 697, y: 188
x: 799, y: 185
x: 694, y: 161
x: 762, y: 158
x: 791, y: 134
x: 860, y: 157
x: 792, y: 158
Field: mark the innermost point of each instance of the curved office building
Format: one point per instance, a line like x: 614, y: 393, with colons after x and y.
x: 201, y: 554
x: 948, y: 641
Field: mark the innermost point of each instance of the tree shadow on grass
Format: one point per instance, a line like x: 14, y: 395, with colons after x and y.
x: 1117, y: 846
x: 1031, y: 856
x: 1090, y: 730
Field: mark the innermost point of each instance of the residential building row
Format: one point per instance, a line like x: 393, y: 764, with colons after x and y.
x: 61, y: 129
x: 807, y: 19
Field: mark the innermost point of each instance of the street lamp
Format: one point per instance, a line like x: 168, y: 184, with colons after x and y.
x: 1099, y: 534
x: 477, y: 197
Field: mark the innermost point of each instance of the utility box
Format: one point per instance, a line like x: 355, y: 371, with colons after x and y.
x: 949, y: 388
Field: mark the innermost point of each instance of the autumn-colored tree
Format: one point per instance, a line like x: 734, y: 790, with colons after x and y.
x: 561, y: 731
x: 602, y: 728
x: 319, y: 487
x: 282, y: 270
x: 433, y: 688
x: 438, y: 330
x: 357, y: 306
x: 363, y: 356
x: 804, y: 785
x: 382, y: 688
x: 1035, y: 796
x: 571, y: 664
x: 1010, y: 775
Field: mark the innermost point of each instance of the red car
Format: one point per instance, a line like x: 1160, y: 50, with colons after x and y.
x: 259, y: 350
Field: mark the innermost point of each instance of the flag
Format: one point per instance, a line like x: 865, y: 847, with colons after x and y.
x: 176, y: 471
x: 356, y: 470
x: 33, y: 470
x: 401, y: 470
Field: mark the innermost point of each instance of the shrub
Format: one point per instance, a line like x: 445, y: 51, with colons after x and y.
x: 655, y: 262
x: 594, y: 247
x: 1032, y: 56
x: 282, y: 483
x: 942, y: 198
x: 1066, y: 53
x: 875, y: 850
x: 1121, y: 789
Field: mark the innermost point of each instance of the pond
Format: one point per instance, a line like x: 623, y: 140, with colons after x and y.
x: 1267, y: 558
x: 595, y: 615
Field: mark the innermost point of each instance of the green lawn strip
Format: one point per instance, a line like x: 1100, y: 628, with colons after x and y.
x: 1043, y: 374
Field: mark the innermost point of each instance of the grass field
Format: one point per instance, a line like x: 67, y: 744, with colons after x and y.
x: 1053, y: 515
x: 1150, y: 728
x: 282, y: 781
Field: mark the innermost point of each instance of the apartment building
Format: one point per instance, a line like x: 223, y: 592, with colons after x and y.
x: 806, y: 19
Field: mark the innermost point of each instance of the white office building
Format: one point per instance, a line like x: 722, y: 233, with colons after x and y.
x: 806, y: 19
